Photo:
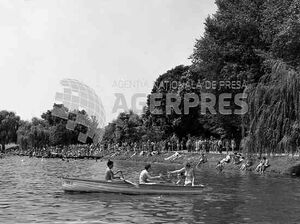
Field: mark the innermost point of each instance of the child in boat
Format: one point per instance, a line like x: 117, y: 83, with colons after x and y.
x: 109, y: 174
x: 145, y: 176
x: 188, y: 173
x: 180, y: 178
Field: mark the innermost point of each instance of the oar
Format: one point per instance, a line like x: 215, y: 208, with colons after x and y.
x: 165, y: 178
x: 129, y: 182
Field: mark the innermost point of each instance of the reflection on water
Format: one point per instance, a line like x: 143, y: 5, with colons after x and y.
x: 31, y: 192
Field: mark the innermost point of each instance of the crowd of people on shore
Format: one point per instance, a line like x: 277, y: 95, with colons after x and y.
x: 200, y: 145
x: 191, y: 144
x: 64, y: 151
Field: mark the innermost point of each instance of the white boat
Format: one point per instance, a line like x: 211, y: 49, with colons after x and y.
x: 126, y: 187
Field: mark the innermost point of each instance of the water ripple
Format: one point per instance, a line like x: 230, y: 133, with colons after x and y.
x: 30, y: 192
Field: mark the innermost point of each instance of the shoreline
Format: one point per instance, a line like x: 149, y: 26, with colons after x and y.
x: 281, y: 164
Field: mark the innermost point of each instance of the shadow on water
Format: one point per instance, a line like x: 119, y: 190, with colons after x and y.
x: 121, y: 207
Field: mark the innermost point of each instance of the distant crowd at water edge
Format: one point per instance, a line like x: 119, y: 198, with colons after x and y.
x: 283, y: 164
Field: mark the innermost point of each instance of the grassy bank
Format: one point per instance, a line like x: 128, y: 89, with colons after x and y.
x: 283, y: 164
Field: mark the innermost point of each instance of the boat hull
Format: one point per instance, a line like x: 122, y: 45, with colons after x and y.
x: 123, y: 187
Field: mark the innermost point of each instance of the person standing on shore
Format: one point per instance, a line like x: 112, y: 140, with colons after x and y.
x: 233, y: 145
x: 227, y: 145
x: 220, y: 146
x: 178, y: 145
x: 189, y: 144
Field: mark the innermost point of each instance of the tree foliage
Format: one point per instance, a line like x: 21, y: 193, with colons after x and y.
x: 274, y: 112
x: 252, y: 41
x: 52, y: 130
x: 128, y: 127
x: 9, y: 123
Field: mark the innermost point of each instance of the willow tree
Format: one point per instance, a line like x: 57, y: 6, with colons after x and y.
x: 274, y: 124
x: 9, y: 123
x: 273, y: 118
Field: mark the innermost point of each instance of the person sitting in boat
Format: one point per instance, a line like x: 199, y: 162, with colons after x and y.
x: 180, y: 178
x: 109, y: 174
x: 188, y: 173
x: 145, y: 176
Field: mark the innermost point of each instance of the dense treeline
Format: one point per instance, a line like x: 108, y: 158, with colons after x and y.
x: 252, y: 41
x: 41, y: 132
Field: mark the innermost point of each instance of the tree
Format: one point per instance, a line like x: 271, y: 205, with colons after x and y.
x: 251, y: 41
x: 23, y: 134
x: 274, y: 111
x: 33, y: 134
x: 286, y: 42
x: 9, y: 123
x: 167, y: 83
x: 228, y: 52
x: 128, y: 127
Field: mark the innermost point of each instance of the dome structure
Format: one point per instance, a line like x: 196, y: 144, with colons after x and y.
x: 78, y: 96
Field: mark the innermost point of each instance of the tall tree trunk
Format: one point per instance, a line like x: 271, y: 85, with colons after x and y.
x: 2, y: 147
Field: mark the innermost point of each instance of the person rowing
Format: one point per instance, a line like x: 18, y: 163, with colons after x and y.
x: 109, y: 174
x: 188, y: 174
x: 145, y: 177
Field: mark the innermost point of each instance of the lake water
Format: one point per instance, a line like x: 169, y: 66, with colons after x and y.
x: 31, y: 193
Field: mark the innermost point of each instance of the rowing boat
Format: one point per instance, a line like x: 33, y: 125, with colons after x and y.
x: 126, y: 187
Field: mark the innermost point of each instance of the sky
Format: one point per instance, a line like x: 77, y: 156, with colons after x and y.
x: 113, y: 46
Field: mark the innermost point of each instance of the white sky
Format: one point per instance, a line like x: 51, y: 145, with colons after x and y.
x: 98, y: 42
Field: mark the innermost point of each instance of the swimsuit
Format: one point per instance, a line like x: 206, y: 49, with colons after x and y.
x: 188, y: 177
